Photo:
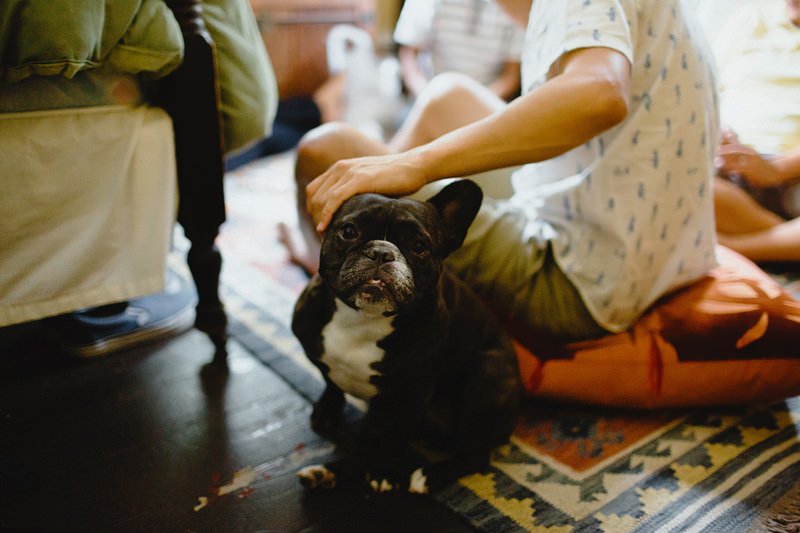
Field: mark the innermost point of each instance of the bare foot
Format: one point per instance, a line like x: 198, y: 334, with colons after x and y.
x: 330, y: 98
x: 305, y: 258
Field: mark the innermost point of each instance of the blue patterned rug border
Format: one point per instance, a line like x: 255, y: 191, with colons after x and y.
x: 266, y: 352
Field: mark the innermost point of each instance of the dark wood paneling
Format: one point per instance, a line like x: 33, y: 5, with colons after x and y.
x: 295, y: 31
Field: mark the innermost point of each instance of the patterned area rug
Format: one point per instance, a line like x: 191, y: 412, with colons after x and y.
x: 573, y: 469
x: 567, y: 468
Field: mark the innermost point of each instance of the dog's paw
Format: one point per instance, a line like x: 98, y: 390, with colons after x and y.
x: 381, y: 484
x: 316, y: 477
x: 418, y: 484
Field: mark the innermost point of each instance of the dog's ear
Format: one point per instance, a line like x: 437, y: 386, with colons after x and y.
x: 457, y: 203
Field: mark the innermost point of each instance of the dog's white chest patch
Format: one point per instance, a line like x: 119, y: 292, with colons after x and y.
x: 349, y: 343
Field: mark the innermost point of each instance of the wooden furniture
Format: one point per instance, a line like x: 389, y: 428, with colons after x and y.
x: 191, y: 97
x: 88, y: 193
x: 294, y: 32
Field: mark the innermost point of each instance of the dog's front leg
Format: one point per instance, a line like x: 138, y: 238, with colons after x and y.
x: 327, y: 413
x: 384, y: 449
x: 376, y: 460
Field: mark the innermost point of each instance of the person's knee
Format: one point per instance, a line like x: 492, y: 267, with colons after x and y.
x: 319, y: 148
x: 323, y: 140
x: 443, y: 90
x: 449, y: 85
x: 450, y: 100
x: 729, y: 194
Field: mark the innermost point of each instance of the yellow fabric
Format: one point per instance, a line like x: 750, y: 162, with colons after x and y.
x: 758, y: 58
x: 248, y: 90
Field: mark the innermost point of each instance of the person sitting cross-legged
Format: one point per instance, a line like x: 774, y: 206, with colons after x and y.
x: 610, y: 150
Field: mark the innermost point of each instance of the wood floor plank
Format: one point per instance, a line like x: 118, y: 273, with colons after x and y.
x: 146, y: 440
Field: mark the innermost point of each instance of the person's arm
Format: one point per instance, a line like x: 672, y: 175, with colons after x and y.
x: 413, y: 76
x: 788, y: 165
x: 518, y: 10
x: 507, y: 83
x: 736, y: 158
x: 588, y: 93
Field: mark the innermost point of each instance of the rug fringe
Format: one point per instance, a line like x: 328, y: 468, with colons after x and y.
x: 784, y: 516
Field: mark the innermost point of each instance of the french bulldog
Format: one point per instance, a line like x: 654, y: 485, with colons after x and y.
x: 386, y: 322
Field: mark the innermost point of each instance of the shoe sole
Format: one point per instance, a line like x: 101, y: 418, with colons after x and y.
x: 167, y: 328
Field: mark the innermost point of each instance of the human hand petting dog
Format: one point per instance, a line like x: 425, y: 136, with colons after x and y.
x: 391, y: 175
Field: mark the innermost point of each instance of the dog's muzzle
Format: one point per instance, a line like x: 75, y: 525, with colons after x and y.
x: 378, y: 277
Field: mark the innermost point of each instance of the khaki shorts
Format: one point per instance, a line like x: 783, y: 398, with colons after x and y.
x: 517, y: 276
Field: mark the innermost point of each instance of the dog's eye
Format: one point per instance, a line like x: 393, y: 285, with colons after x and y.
x: 419, y: 247
x: 348, y: 232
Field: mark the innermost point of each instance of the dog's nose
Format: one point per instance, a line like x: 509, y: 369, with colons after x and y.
x: 381, y: 252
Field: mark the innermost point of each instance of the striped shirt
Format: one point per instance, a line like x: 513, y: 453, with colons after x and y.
x: 473, y: 37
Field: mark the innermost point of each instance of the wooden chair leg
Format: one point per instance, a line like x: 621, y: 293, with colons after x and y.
x: 191, y: 96
x: 205, y: 263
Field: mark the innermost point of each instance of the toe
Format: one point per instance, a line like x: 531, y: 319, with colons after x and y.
x: 418, y: 484
x: 316, y: 477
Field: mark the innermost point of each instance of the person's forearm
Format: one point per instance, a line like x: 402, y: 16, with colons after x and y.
x: 518, y: 10
x: 588, y: 93
x: 788, y: 165
x: 560, y: 115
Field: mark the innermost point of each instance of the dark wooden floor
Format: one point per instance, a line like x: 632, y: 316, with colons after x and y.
x: 134, y: 441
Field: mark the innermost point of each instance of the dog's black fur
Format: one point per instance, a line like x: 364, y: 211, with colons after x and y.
x: 437, y: 370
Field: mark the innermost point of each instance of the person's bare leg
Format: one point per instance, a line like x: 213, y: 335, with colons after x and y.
x: 330, y: 98
x: 755, y: 232
x: 448, y: 102
x: 737, y: 212
x: 778, y: 243
x: 318, y: 150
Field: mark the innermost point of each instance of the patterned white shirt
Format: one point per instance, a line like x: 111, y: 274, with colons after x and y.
x: 629, y: 214
x: 473, y: 37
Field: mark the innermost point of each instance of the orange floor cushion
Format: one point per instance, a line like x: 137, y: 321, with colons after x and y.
x: 731, y: 338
